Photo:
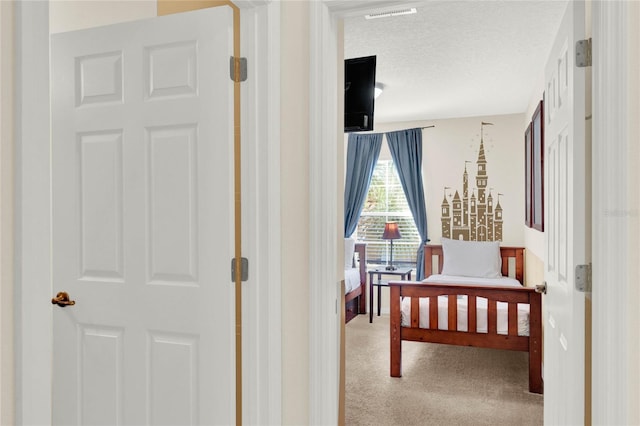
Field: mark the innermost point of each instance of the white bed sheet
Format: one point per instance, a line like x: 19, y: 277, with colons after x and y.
x: 481, y: 307
x: 351, y: 279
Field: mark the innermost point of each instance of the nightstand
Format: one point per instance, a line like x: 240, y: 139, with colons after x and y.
x: 403, y: 273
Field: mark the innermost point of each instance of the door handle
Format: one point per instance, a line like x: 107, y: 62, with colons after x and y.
x: 542, y: 288
x: 62, y: 300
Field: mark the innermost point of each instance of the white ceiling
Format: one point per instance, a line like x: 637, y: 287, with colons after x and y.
x: 457, y: 58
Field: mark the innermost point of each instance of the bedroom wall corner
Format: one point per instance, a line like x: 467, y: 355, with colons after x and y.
x: 534, y: 257
x: 533, y: 269
x: 533, y: 239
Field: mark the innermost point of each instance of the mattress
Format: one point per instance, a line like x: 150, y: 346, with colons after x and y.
x: 351, y: 279
x: 481, y: 307
x: 454, y: 279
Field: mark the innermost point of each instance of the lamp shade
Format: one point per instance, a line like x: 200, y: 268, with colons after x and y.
x: 391, y: 231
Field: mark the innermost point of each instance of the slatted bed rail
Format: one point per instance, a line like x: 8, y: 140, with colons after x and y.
x: 489, y: 339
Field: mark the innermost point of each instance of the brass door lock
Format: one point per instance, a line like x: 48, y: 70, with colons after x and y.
x: 62, y: 300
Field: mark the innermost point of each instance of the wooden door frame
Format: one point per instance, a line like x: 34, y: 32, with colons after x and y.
x: 32, y: 324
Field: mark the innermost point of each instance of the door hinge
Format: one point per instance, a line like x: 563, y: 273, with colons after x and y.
x: 583, y: 278
x: 238, y: 69
x: 244, y: 265
x: 583, y: 53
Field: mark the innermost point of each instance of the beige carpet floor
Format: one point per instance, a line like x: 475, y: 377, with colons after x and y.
x: 440, y: 384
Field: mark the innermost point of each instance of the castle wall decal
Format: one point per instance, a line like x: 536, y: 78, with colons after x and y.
x: 473, y: 217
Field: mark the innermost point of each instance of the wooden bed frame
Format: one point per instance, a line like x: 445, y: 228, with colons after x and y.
x: 491, y: 339
x: 356, y: 300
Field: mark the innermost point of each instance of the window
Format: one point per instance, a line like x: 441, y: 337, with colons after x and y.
x: 386, y: 203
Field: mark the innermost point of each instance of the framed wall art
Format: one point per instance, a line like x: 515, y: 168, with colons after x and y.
x: 537, y: 168
x: 527, y: 175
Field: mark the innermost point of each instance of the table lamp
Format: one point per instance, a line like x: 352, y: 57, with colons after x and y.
x: 391, y: 232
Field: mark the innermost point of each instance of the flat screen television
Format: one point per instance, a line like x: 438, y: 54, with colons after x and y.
x: 359, y: 93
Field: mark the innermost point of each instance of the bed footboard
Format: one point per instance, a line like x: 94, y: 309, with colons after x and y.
x: 472, y: 337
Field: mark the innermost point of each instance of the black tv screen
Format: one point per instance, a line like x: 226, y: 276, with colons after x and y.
x: 359, y: 90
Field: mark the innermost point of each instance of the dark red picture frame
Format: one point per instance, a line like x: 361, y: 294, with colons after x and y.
x: 527, y: 175
x: 537, y: 168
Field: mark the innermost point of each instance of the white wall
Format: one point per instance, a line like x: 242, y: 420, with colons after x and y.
x: 69, y: 15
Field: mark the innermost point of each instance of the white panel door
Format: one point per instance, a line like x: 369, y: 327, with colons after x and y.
x: 565, y: 226
x: 143, y: 222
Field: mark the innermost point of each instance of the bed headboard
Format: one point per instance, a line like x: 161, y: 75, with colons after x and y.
x: 507, y: 253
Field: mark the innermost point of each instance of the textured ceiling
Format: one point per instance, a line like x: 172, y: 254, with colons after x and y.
x: 457, y: 58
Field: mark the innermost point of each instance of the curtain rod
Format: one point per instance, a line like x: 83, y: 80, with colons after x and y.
x: 382, y: 133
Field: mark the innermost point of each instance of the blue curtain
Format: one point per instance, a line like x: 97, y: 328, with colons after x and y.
x: 406, y: 151
x: 362, y: 155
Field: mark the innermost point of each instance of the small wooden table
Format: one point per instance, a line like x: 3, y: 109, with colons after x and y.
x: 403, y: 273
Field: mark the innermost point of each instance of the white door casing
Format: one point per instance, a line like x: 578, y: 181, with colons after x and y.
x: 142, y: 120
x: 565, y: 224
x: 616, y: 213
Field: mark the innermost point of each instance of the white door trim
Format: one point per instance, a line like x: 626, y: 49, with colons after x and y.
x: 616, y: 217
x: 323, y: 171
x: 262, y: 305
x: 7, y: 383
x: 33, y: 337
x: 325, y: 141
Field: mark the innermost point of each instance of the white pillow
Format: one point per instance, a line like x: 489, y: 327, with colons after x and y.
x: 471, y: 258
x: 349, y: 249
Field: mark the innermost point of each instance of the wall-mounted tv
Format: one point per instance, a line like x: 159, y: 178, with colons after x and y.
x: 359, y: 90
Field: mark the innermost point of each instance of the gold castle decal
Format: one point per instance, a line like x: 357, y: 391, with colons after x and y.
x: 473, y: 217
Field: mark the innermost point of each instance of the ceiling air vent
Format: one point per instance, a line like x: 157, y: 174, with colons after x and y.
x: 389, y: 13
